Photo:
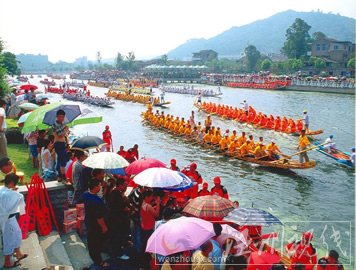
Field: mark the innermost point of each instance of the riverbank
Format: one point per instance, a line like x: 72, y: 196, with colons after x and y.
x: 333, y: 90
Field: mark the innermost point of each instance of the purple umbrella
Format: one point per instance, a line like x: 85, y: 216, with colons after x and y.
x: 181, y: 234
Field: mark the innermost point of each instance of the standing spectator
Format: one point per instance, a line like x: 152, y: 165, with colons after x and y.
x: 135, y: 198
x: 3, y: 141
x: 12, y: 204
x: 60, y: 131
x: 32, y: 144
x: 95, y: 212
x: 40, y: 143
x: 107, y: 138
x: 200, y: 258
x: 149, y: 212
x: 26, y: 96
x: 77, y: 177
x: 13, y: 97
x: 119, y: 219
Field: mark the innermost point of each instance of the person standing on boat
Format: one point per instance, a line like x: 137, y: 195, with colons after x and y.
x: 303, y: 144
x: 329, y: 144
x: 199, y: 98
x: 162, y: 96
x: 191, y: 120
x: 245, y: 107
x: 107, y: 138
x: 208, y: 123
x: 306, y: 120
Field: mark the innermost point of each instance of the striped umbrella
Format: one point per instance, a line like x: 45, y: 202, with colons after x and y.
x: 209, y: 207
x: 251, y: 217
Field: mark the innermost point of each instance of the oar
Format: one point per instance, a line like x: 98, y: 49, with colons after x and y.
x: 300, y: 152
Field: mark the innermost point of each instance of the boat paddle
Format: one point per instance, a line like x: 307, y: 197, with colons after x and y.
x: 299, y: 152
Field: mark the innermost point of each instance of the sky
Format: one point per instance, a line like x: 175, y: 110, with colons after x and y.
x: 68, y: 29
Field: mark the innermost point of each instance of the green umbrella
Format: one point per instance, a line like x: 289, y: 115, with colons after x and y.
x: 34, y: 120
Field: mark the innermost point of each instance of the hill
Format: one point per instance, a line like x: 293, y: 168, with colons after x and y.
x: 268, y: 35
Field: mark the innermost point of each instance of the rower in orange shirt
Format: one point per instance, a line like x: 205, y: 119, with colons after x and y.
x: 299, y: 125
x: 277, y: 123
x: 291, y: 126
x: 242, y: 139
x: 224, y: 142
x: 284, y: 124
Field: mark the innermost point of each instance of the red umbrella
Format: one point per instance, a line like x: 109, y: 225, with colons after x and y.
x: 143, y: 164
x: 261, y: 260
x: 209, y: 207
x: 28, y: 87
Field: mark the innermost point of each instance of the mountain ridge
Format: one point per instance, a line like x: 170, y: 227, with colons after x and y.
x: 268, y: 35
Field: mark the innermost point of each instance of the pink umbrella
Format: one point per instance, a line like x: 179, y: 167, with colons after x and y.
x: 230, y: 232
x: 181, y: 234
x: 143, y: 164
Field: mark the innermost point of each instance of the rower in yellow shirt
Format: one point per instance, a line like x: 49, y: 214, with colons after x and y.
x: 242, y: 139
x: 302, y: 145
x: 215, y: 138
x: 252, y: 142
x: 224, y: 142
x: 259, y: 153
x: 233, y: 146
x: 207, y: 137
x: 273, y: 151
x: 244, y: 149
x: 188, y: 130
x: 233, y: 136
x: 181, y: 129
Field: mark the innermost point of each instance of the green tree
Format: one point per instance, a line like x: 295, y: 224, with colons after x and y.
x: 164, y: 59
x: 319, y: 64
x: 119, y: 61
x: 10, y: 63
x: 351, y: 63
x: 131, y: 61
x: 318, y: 36
x: 252, y: 55
x: 266, y: 64
x: 297, y: 38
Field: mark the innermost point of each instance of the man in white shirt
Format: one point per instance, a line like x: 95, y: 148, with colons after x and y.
x: 3, y: 141
x: 329, y: 144
x: 245, y: 107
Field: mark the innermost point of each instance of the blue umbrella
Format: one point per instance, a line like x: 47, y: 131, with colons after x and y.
x: 71, y: 111
x: 87, y: 142
x: 186, y: 183
x: 251, y: 217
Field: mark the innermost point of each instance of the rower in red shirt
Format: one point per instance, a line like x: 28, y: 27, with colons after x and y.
x: 204, y: 191
x: 302, y: 252
x: 107, y: 138
x: 196, y: 178
x: 218, y: 189
x: 122, y: 152
x: 135, y: 151
x: 330, y: 262
x: 174, y: 166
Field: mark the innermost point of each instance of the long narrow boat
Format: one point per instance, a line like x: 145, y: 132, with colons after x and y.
x: 143, y: 99
x: 190, y: 91
x: 285, y: 164
x: 338, y: 155
x: 136, y: 90
x: 309, y: 133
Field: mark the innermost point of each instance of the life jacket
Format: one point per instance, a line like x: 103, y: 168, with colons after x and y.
x: 219, y: 191
x: 303, y: 254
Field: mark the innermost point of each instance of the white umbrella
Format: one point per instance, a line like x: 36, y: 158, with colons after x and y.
x: 230, y: 232
x: 106, y: 160
x: 160, y: 178
x: 23, y: 118
x: 28, y: 106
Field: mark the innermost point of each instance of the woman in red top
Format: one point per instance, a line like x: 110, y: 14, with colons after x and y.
x: 107, y: 138
x: 148, y: 215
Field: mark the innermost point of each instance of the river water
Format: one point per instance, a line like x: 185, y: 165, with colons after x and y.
x: 321, y: 199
